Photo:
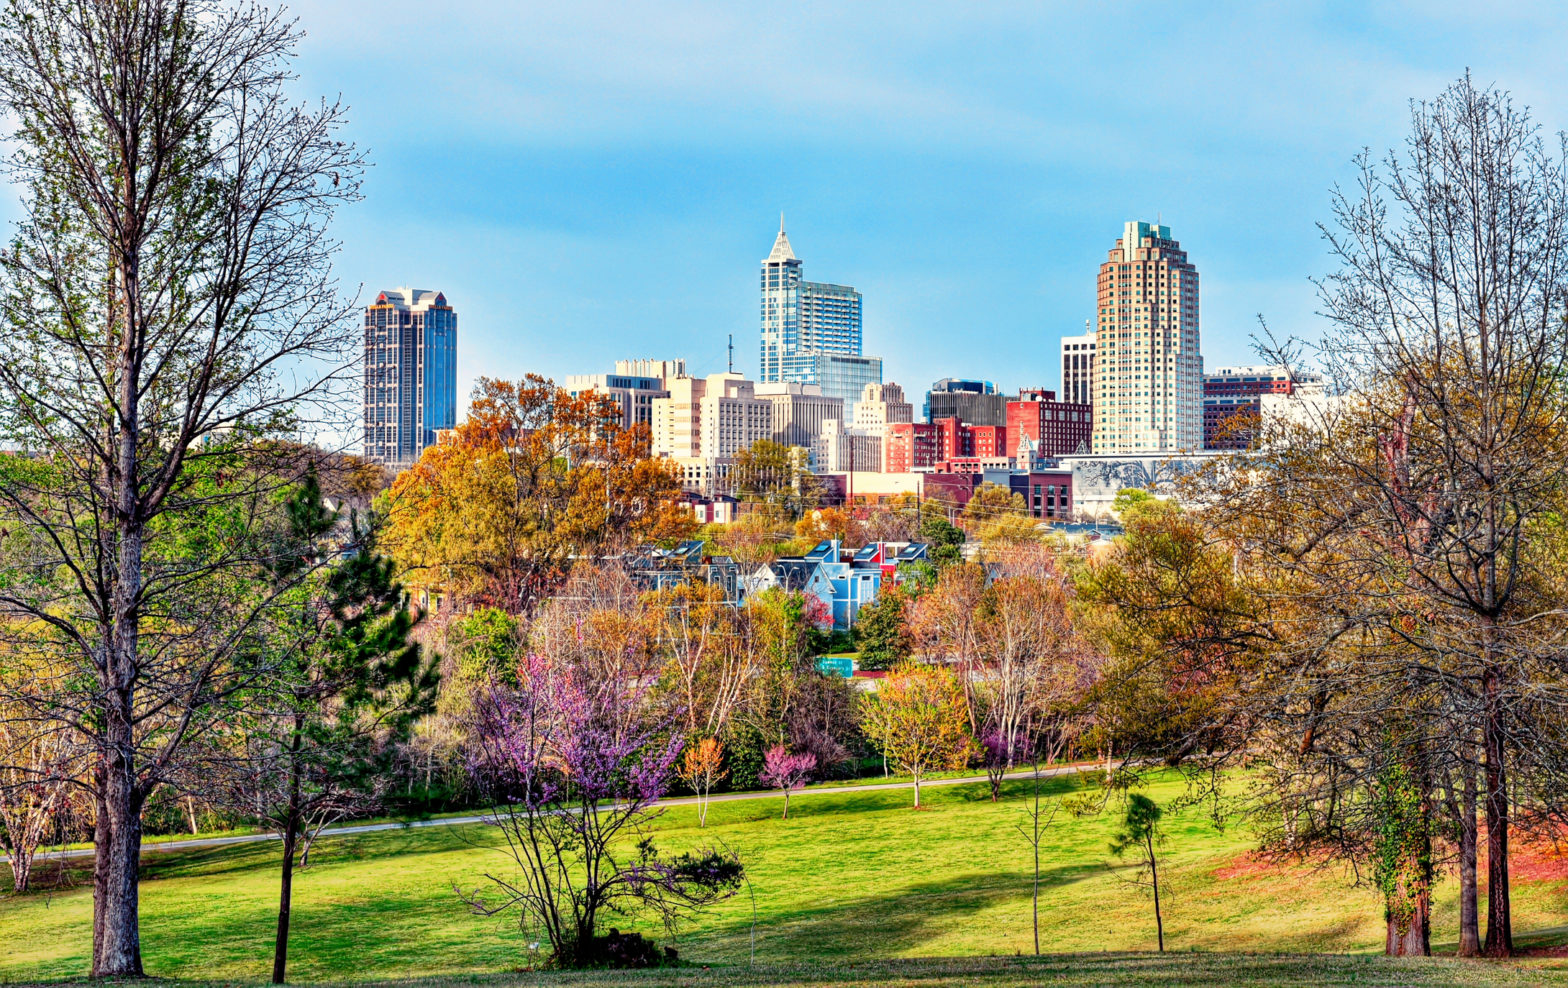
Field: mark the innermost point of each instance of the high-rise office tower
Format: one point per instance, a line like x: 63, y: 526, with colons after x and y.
x: 410, y: 373
x: 1078, y: 368
x: 1148, y: 375
x: 809, y: 329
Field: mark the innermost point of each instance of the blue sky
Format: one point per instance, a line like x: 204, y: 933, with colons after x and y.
x: 588, y: 181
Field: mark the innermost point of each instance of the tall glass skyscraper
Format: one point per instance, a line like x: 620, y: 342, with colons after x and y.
x: 410, y: 373
x: 807, y: 326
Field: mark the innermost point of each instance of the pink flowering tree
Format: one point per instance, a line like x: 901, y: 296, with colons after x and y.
x: 572, y: 769
x: 786, y: 771
x: 818, y: 612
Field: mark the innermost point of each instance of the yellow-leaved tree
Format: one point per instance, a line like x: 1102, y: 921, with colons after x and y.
x: 919, y: 719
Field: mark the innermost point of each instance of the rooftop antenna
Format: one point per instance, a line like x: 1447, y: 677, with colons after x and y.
x: 732, y: 335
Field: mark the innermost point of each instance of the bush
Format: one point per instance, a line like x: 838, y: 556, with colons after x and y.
x: 627, y: 950
x: 744, y: 749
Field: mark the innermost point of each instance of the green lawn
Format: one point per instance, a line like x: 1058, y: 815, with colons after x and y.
x: 849, y: 878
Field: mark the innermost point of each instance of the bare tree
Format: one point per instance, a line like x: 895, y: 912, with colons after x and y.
x: 1448, y: 314
x: 40, y: 765
x: 170, y: 304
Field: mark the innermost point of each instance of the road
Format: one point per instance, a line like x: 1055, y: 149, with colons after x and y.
x: 453, y: 821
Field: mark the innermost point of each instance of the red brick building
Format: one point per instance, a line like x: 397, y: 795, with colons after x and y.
x: 1053, y: 428
x: 908, y: 446
x: 1047, y: 494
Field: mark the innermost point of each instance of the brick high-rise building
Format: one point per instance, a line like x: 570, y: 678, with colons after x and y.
x: 916, y: 445
x: 1048, y: 426
x: 910, y: 446
x: 410, y: 373
x: 1148, y: 374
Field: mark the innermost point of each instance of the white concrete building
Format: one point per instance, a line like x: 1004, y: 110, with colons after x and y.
x: 838, y: 449
x: 799, y: 411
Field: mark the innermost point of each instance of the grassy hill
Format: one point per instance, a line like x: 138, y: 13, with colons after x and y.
x: 850, y: 878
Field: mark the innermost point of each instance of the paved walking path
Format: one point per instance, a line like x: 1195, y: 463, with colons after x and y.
x: 452, y: 821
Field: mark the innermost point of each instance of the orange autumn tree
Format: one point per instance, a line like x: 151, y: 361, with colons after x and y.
x: 702, y: 768
x: 532, y: 479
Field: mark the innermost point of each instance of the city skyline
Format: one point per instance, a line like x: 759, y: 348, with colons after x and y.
x: 959, y: 173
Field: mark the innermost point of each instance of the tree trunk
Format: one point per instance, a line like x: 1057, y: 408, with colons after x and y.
x: 1499, y: 929
x: 1469, y: 914
x: 280, y: 950
x: 786, y: 804
x: 1036, y: 821
x: 21, y: 866
x: 1154, y: 877
x: 118, y: 953
x: 917, y: 792
x: 117, y: 949
x: 100, y: 858
x: 1411, y: 936
x: 117, y: 932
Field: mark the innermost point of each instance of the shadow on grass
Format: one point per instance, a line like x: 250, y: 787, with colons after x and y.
x: 881, y: 925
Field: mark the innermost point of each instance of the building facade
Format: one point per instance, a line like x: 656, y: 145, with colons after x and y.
x: 908, y: 446
x: 971, y: 402
x: 634, y: 386
x: 1040, y: 426
x: 799, y: 410
x: 646, y: 367
x: 881, y: 405
x: 839, y: 448
x: 410, y: 373
x: 839, y: 375
x: 929, y: 445
x: 1232, y: 392
x: 1148, y: 374
x: 1078, y: 369
x: 704, y: 422
x: 1047, y: 494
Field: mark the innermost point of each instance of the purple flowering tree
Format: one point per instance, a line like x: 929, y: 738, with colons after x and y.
x: 572, y: 769
x: 786, y: 771
x: 1002, y: 749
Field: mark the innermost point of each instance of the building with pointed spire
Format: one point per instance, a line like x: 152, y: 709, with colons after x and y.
x: 811, y: 331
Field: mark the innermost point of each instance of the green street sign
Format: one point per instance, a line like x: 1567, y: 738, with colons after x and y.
x: 836, y: 665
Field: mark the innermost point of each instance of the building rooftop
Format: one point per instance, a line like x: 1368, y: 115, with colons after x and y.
x: 781, y: 248
x: 410, y: 298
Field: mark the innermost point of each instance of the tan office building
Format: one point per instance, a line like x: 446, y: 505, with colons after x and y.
x: 1148, y: 374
